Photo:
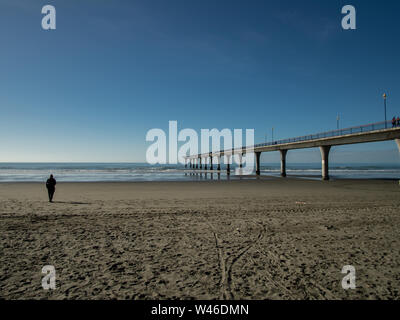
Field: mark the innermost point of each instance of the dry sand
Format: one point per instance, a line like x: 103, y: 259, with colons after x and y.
x: 260, y: 239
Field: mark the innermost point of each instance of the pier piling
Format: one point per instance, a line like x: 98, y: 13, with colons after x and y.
x: 325, y: 161
x: 258, y: 171
x: 283, y: 162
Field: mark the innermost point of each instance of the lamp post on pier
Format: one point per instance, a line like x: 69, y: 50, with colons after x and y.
x: 272, y: 138
x: 384, y: 104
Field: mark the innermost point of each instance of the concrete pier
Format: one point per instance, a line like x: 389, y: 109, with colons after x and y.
x: 201, y: 166
x: 374, y: 132
x: 283, y: 162
x: 228, y: 165
x: 325, y: 161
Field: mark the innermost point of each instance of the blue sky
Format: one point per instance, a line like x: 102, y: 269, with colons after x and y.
x: 112, y: 70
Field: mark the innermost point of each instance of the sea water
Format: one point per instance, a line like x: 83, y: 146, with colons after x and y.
x: 103, y: 172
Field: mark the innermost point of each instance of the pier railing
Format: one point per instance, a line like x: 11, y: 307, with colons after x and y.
x: 328, y: 134
x: 334, y: 133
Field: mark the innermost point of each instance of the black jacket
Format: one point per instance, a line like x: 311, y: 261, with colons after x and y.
x: 51, y: 183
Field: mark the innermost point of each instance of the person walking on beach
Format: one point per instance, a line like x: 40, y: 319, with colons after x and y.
x: 398, y: 121
x: 393, y: 122
x: 51, y: 187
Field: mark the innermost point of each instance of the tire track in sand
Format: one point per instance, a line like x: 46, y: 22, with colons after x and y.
x: 226, y: 263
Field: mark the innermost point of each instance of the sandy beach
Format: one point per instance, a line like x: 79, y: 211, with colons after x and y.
x: 243, y: 239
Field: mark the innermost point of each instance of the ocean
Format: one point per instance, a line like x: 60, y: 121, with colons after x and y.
x: 103, y: 172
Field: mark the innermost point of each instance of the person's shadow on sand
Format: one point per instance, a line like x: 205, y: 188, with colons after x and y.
x: 71, y: 202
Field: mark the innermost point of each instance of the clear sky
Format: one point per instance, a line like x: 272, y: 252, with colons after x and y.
x: 112, y: 70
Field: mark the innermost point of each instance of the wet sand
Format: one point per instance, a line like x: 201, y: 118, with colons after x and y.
x: 258, y: 239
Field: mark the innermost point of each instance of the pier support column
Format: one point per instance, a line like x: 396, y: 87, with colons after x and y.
x: 241, y: 160
x: 325, y: 161
x: 197, y: 163
x: 190, y: 163
x: 219, y: 163
x: 228, y: 165
x: 258, y: 170
x: 186, y: 163
x: 211, y: 162
x: 201, y: 166
x: 283, y: 162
